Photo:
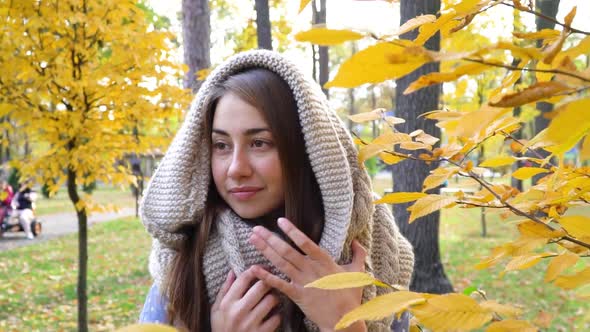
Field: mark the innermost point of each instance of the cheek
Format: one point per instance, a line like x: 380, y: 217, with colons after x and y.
x: 218, y: 172
x: 271, y: 168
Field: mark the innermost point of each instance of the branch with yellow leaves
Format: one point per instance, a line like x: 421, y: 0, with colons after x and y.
x: 514, y: 209
x: 551, y: 19
x: 536, y: 70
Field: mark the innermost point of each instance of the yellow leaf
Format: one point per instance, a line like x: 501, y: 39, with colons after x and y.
x: 531, y: 229
x: 392, y: 120
x: 376, y: 114
x: 472, y: 123
x: 414, y: 23
x: 327, y: 37
x: 427, y: 205
x: 570, y: 125
x: 381, y: 307
x: 537, y: 91
x: 5, y: 109
x: 551, y: 51
x: 517, y: 51
x: 581, y: 48
x: 404, y: 197
x: 147, y: 328
x: 498, y: 161
x: 570, y: 16
x: 370, y: 150
x: 575, y: 280
x: 373, y: 65
x: 542, y: 34
x: 390, y: 159
x: 511, y: 325
x: 498, y: 253
x: 442, y: 115
x: 524, y: 262
x: 467, y: 7
x: 541, y: 76
x: 203, y: 73
x: 427, y: 139
x: 414, y: 146
x: 303, y: 4
x: 451, y: 312
x: 559, y: 264
x: 524, y: 173
x: 429, y: 29
x: 501, y: 309
x: 345, y: 280
x: 391, y: 138
x: 436, y: 78
x: 577, y: 226
x: 438, y: 177
x: 383, y: 142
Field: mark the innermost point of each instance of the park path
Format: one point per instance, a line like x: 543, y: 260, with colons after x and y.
x: 58, y: 224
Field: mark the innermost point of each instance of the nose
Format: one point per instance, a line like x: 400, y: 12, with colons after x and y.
x: 240, y: 164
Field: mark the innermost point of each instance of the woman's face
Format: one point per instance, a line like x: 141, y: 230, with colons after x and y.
x: 244, y: 159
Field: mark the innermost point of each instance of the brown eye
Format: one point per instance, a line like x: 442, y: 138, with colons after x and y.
x: 219, y: 146
x: 258, y: 143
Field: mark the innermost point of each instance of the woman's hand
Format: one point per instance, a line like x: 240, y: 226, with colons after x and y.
x: 323, y: 307
x: 241, y: 307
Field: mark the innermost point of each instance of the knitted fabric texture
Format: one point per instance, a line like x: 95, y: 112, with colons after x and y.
x: 177, y: 192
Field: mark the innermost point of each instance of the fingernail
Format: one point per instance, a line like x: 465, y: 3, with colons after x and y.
x: 283, y: 222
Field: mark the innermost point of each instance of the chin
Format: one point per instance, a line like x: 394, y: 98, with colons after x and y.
x: 248, y: 213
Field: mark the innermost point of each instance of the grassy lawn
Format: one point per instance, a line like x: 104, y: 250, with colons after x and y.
x: 462, y: 247
x: 38, y: 289
x: 122, y: 197
x: 38, y: 292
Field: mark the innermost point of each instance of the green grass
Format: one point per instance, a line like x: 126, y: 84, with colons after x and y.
x: 122, y: 197
x: 38, y: 289
x: 462, y: 247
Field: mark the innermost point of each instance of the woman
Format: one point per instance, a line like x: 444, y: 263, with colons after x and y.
x: 261, y: 188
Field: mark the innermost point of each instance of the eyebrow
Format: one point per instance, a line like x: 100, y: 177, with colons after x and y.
x: 247, y: 132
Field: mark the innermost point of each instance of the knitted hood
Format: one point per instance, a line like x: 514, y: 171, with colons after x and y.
x: 177, y: 192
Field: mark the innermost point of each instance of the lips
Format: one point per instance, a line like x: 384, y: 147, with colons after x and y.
x: 244, y: 193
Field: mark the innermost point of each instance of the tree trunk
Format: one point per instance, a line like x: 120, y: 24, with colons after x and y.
x: 196, y: 29
x: 408, y: 176
x: 263, y: 24
x: 548, y: 8
x: 82, y: 252
x: 319, y: 17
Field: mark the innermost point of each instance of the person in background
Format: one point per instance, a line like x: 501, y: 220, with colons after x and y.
x: 6, y: 195
x: 23, y: 205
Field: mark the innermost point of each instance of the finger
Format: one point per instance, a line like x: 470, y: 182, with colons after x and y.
x: 254, y: 294
x: 359, y: 255
x: 278, y: 252
x: 302, y: 241
x: 263, y: 308
x: 240, y: 286
x: 224, y: 288
x: 271, y: 324
x: 275, y: 282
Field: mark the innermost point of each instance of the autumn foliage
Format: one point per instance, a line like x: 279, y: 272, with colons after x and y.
x: 548, y: 231
x: 89, y: 82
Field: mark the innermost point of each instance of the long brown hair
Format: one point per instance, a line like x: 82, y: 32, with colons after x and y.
x: 271, y: 95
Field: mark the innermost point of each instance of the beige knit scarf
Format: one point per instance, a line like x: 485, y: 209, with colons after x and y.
x: 176, y: 195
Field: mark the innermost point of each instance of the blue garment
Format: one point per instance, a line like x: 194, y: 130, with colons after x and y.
x: 154, y: 308
x: 154, y: 311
